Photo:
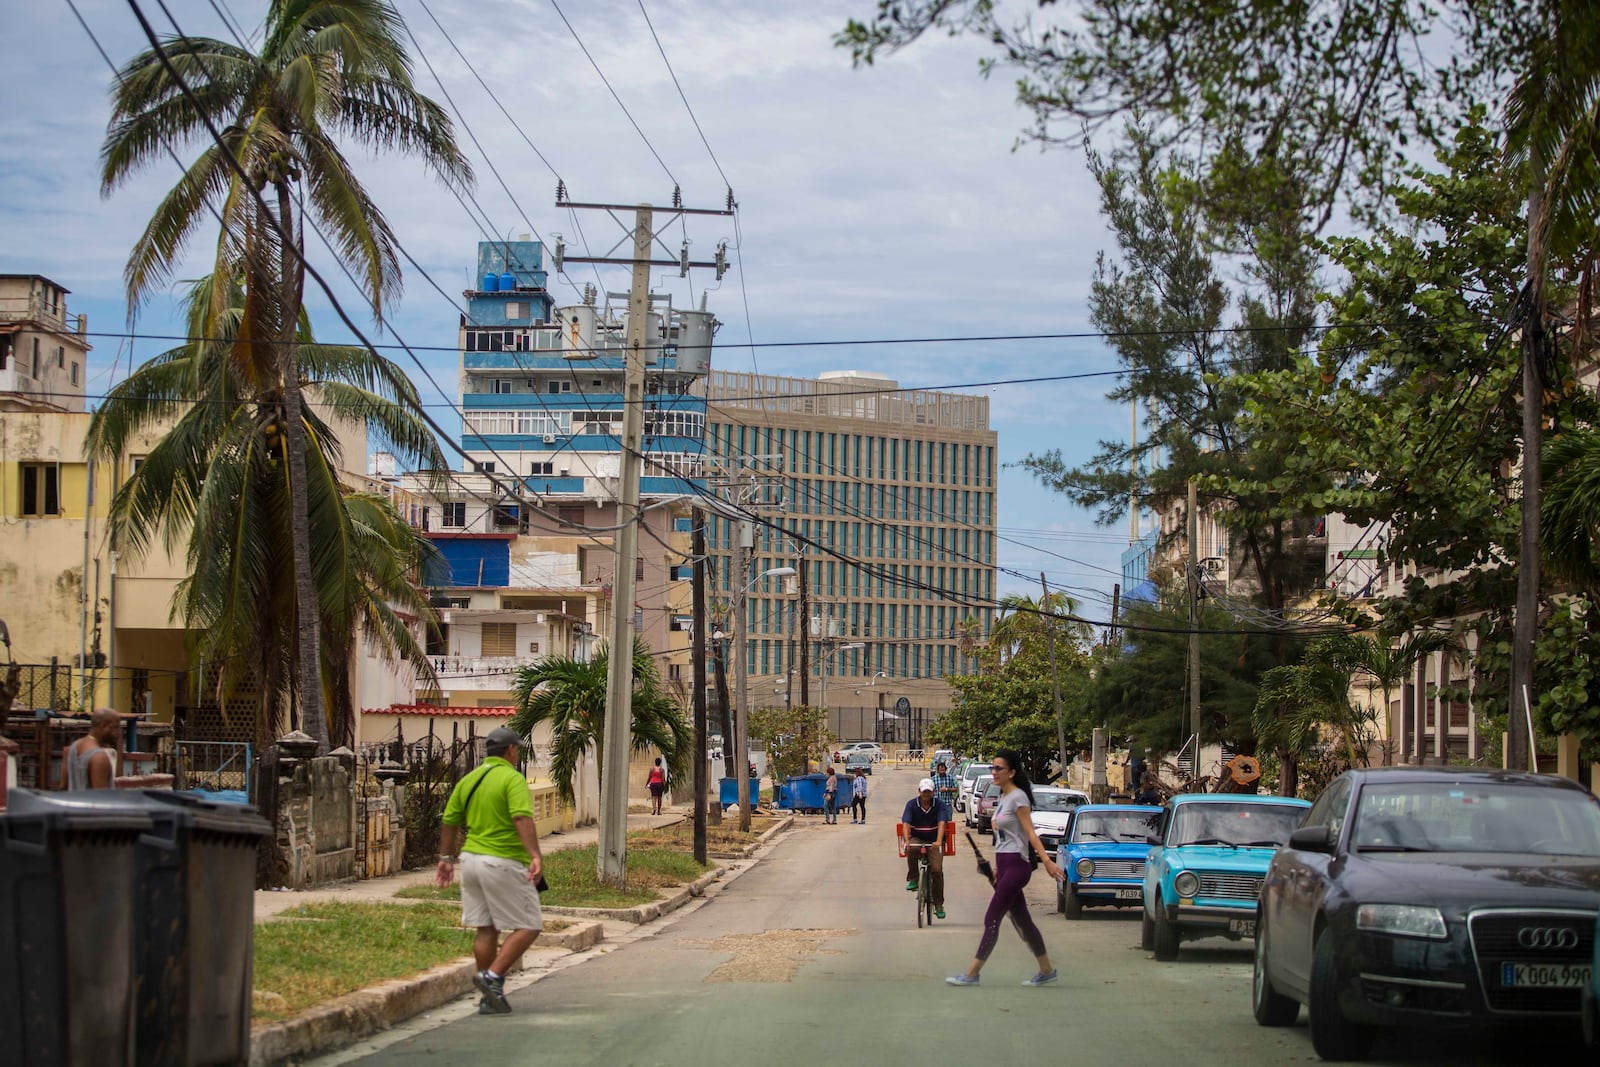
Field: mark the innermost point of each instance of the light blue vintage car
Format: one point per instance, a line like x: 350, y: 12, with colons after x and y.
x: 1104, y: 854
x: 1204, y: 874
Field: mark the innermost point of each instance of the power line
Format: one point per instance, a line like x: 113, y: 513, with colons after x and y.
x: 677, y: 85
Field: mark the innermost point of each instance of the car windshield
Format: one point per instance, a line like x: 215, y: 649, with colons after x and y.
x: 1106, y: 826
x: 991, y: 790
x: 1233, y: 824
x: 1051, y: 800
x: 972, y: 773
x: 1476, y: 817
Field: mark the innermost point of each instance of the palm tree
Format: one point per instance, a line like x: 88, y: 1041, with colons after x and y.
x: 1570, y: 530
x: 328, y: 73
x: 1388, y: 664
x: 1552, y: 140
x: 214, y: 482
x: 1023, y: 619
x: 570, y: 695
x: 1296, y: 701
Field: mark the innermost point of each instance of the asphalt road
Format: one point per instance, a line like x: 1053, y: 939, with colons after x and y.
x: 815, y: 955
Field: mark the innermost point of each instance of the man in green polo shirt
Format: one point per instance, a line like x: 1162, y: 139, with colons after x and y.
x: 500, y: 863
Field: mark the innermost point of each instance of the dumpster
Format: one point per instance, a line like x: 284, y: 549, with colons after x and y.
x: 807, y: 789
x: 194, y: 922
x: 729, y: 794
x: 67, y: 902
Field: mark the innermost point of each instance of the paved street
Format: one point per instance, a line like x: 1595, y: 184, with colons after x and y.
x: 815, y: 953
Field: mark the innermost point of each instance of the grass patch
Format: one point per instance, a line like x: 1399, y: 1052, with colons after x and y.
x: 347, y: 947
x: 680, y: 837
x: 571, y: 875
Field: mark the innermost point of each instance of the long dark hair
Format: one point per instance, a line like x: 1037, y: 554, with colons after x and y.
x: 1019, y: 773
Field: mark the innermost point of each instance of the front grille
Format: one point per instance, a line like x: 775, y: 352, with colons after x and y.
x: 1499, y: 938
x: 1131, y: 869
x: 1229, y: 886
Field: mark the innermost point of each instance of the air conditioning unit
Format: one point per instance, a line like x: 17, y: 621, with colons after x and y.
x: 562, y: 471
x: 549, y: 438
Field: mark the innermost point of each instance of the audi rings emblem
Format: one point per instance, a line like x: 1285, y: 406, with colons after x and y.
x: 1547, y: 937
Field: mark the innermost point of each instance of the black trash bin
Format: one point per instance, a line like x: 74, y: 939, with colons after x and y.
x: 194, y: 923
x: 67, y: 930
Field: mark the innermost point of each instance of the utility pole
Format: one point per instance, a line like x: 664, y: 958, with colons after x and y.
x: 805, y: 632
x: 741, y: 707
x: 1194, y: 624
x: 698, y: 548
x: 1055, y: 680
x: 611, y: 860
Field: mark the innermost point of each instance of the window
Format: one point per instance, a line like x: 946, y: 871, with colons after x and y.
x: 74, y: 373
x: 36, y: 357
x: 499, y: 639
x: 572, y: 513
x: 61, y: 357
x: 41, y: 490
x: 674, y: 672
x: 502, y: 385
x: 505, y: 515
x: 486, y: 467
x: 546, y: 467
x: 638, y: 569
x: 454, y: 513
x: 6, y: 343
x: 560, y: 385
x: 683, y: 573
x: 513, y: 309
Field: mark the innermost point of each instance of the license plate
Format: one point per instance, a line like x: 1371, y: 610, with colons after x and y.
x: 1544, y: 975
x: 1246, y: 927
x: 1130, y: 894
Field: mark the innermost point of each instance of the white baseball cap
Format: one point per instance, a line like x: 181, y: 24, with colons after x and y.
x: 925, y: 786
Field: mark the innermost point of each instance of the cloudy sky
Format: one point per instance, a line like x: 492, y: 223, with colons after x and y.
x: 879, y: 203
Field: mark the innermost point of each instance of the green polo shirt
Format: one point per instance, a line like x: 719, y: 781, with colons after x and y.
x: 502, y: 798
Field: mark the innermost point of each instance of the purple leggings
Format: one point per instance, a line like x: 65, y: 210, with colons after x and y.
x: 1011, y: 877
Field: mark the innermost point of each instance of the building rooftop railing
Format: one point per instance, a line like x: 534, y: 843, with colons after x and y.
x: 849, y: 398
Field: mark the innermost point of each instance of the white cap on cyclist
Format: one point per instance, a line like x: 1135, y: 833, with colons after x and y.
x: 925, y: 786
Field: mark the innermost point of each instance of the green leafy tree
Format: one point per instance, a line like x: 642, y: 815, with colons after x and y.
x: 327, y: 74
x: 794, y: 738
x: 570, y: 695
x: 1387, y: 664
x: 1140, y: 688
x: 1298, y: 702
x: 215, y: 484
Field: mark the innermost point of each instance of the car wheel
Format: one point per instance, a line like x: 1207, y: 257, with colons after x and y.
x: 1271, y: 1008
x: 1332, y: 1035
x: 1072, y: 903
x: 1165, y: 942
x: 1147, y: 933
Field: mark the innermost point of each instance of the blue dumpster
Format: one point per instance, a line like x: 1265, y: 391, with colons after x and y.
x: 730, y: 791
x: 807, y: 789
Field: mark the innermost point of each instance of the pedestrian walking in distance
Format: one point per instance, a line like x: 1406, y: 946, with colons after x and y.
x: 1013, y: 836
x: 858, y: 798
x: 830, y: 798
x: 490, y: 814
x: 657, y: 784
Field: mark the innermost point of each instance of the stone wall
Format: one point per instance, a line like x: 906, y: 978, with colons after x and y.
x: 316, y: 820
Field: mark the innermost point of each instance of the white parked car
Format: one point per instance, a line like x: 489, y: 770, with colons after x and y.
x: 871, y: 748
x: 969, y: 775
x: 974, y: 791
x: 1052, y: 809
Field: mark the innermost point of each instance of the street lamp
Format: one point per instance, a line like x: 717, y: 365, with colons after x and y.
x: 741, y: 718
x: 822, y: 668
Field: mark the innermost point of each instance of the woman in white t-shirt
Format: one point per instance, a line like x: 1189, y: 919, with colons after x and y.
x: 1013, y: 834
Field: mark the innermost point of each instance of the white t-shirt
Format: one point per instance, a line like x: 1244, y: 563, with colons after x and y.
x: 1008, y: 835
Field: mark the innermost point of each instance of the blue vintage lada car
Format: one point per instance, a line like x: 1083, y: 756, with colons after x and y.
x: 1205, y: 872
x: 1103, y: 853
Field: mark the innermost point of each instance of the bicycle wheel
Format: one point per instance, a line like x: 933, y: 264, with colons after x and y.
x: 924, y: 895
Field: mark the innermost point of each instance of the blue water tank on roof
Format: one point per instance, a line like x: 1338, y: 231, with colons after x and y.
x: 491, y: 282
x: 508, y: 282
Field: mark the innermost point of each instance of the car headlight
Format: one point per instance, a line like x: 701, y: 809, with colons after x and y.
x: 1402, y: 920
x: 1085, y: 867
x: 1186, y: 884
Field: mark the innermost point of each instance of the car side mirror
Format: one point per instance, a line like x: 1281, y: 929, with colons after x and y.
x: 1152, y: 839
x: 1312, y: 839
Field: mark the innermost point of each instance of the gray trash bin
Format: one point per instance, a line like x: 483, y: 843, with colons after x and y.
x: 67, y: 930
x: 193, y: 915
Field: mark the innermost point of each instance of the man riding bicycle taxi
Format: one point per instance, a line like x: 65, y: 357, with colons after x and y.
x: 945, y: 784
x: 923, y: 826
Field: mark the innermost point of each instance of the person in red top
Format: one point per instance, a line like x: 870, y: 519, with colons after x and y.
x: 657, y: 783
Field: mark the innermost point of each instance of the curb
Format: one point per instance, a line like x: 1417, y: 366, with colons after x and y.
x: 345, y: 1020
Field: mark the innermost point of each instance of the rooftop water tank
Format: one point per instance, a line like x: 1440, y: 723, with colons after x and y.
x: 491, y: 282
x: 508, y: 282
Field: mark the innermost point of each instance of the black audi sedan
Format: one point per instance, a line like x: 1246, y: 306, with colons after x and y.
x: 1422, y: 897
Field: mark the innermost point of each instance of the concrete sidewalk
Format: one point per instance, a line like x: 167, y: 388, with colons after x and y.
x: 271, y: 902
